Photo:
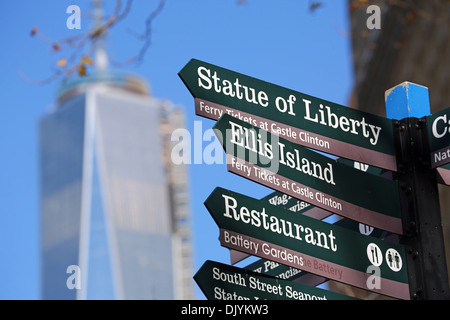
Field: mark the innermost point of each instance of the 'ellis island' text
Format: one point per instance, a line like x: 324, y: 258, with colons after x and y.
x: 253, y: 141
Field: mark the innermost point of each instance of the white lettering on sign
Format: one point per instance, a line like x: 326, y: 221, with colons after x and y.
x: 235, y: 88
x: 235, y: 278
x: 251, y: 140
x: 440, y: 132
x: 260, y: 219
x: 228, y: 88
x: 291, y: 293
x: 326, y: 117
x: 442, y: 155
x: 260, y: 284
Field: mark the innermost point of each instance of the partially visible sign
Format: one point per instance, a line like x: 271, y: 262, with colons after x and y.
x: 278, y: 270
x: 439, y: 137
x: 222, y: 282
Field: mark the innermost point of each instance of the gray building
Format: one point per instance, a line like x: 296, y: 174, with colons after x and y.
x: 110, y: 203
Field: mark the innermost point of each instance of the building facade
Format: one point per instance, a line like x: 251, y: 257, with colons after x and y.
x: 110, y: 205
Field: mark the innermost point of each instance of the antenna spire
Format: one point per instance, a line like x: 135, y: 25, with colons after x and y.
x: 101, y: 58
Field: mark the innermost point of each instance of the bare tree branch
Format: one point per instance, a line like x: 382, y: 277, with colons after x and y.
x: 145, y: 37
x: 80, y: 48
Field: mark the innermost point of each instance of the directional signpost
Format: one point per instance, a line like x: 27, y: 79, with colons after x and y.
x: 267, y: 132
x: 309, y: 176
x: 222, y: 282
x: 409, y: 103
x: 295, y: 116
x: 305, y: 243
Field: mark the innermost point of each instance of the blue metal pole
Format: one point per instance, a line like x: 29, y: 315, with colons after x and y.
x: 407, y: 100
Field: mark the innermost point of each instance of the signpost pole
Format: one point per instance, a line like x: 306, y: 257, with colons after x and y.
x: 408, y: 104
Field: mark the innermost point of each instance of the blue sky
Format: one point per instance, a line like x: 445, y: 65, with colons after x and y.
x: 277, y: 41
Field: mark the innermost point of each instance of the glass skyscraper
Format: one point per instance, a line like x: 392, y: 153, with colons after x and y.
x: 112, y: 203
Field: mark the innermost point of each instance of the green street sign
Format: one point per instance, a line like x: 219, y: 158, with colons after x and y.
x: 223, y: 282
x: 439, y: 137
x: 300, y: 118
x: 275, y: 269
x: 279, y: 164
x: 274, y: 233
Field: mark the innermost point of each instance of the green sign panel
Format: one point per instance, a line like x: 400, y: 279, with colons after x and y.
x: 295, y: 116
x: 439, y: 137
x: 309, y: 176
x: 223, y: 282
x: 275, y: 269
x: 333, y: 252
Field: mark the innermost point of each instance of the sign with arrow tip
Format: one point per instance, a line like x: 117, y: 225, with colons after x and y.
x: 309, y: 176
x: 274, y: 233
x: 223, y: 282
x: 300, y: 118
